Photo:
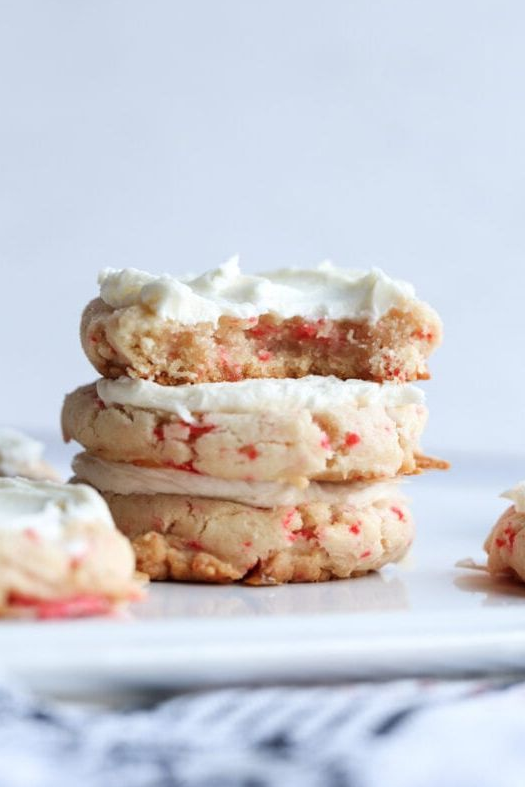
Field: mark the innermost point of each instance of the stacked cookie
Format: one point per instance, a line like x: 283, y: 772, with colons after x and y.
x: 255, y: 427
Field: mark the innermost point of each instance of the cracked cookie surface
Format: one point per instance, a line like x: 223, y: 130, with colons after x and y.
x: 189, y: 538
x: 350, y: 441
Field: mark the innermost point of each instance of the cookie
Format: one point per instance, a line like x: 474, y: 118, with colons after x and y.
x: 208, y: 540
x: 254, y: 430
x: 226, y: 326
x: 20, y: 455
x: 60, y: 554
x: 505, y: 546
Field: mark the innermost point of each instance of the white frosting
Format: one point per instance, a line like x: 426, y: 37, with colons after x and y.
x: 126, y: 479
x: 325, y: 291
x: 48, y: 509
x: 18, y: 453
x: 517, y: 495
x: 314, y: 393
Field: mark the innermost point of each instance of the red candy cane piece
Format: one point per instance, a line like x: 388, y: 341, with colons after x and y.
x: 198, y: 431
x: 73, y: 607
x: 397, y: 511
x: 195, y: 545
x: 287, y: 519
x: 158, y: 432
x: 187, y: 467
x: 511, y: 536
x: 250, y: 451
x: 265, y: 355
x: 325, y: 442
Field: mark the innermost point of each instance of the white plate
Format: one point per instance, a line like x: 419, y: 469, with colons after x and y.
x: 423, y: 617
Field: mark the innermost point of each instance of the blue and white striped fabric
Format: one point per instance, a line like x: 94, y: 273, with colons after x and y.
x: 400, y: 734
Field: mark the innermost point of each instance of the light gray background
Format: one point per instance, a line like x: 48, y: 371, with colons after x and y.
x: 169, y: 135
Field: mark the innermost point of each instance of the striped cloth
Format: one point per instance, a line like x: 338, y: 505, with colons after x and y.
x: 401, y: 734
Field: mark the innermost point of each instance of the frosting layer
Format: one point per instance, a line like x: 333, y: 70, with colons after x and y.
x: 517, y: 495
x: 18, y: 451
x: 47, y: 509
x: 126, y: 479
x: 314, y: 393
x: 322, y: 292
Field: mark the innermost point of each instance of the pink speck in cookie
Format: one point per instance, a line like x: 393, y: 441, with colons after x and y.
x: 195, y: 545
x: 305, y: 331
x: 187, y: 467
x: 198, y: 431
x: 159, y: 433
x: 157, y: 524
x: 288, y: 517
x: 264, y: 355
x: 250, y: 451
x: 425, y: 336
x: 507, y: 540
x: 325, y: 442
x: 308, y: 533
